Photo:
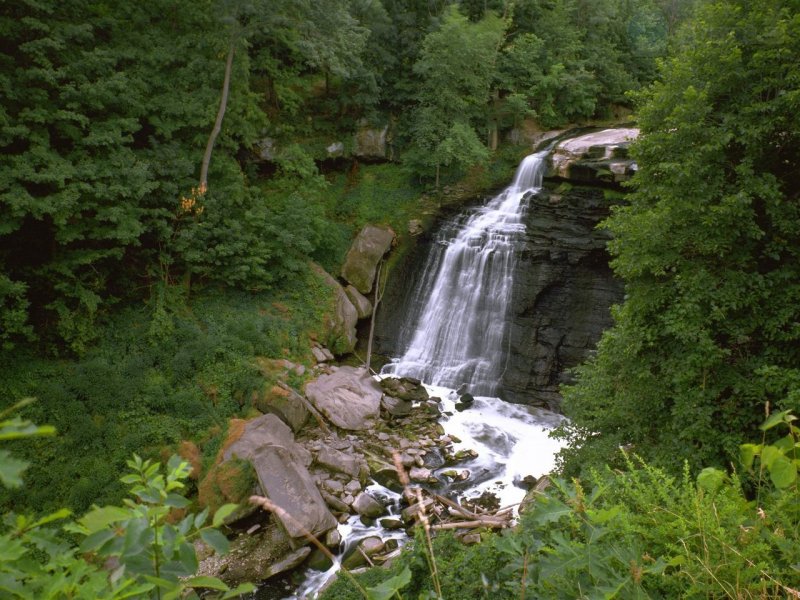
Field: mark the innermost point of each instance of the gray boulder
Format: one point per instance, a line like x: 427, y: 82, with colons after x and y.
x: 349, y: 398
x: 340, y: 322
x: 367, y: 506
x: 362, y: 304
x: 361, y: 262
x: 601, y: 156
x: 281, y: 467
x: 336, y: 460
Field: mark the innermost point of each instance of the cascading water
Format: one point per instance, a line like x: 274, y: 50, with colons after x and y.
x: 458, y: 325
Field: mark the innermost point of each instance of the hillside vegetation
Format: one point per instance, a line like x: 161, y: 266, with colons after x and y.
x: 148, y: 257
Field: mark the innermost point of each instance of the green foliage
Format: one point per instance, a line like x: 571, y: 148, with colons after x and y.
x: 153, y: 558
x: 148, y: 385
x: 708, y: 247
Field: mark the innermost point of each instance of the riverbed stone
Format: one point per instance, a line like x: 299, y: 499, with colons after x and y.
x: 367, y: 506
x: 336, y: 460
x: 349, y: 398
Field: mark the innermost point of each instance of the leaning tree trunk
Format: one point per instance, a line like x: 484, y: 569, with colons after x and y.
x: 223, y: 103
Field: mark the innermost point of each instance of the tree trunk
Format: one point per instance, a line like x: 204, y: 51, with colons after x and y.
x: 437, y: 177
x: 223, y: 103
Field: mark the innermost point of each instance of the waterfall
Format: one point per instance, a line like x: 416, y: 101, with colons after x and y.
x: 457, y: 325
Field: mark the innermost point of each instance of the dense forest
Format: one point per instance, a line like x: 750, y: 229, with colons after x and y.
x: 169, y: 171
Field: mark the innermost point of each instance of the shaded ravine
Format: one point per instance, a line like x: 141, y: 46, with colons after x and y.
x: 455, y: 330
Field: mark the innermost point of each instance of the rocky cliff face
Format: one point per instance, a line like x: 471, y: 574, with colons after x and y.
x: 563, y: 290
x: 563, y: 286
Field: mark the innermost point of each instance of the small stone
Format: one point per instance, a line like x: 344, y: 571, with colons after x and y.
x: 420, y: 474
x: 319, y: 355
x: 383, y: 436
x: 391, y: 523
x: 471, y: 539
x: 353, y: 487
x: 348, y: 499
x: 367, y: 506
x: 372, y: 545
x: 335, y: 504
x: 333, y: 486
x: 328, y: 354
x: 333, y: 539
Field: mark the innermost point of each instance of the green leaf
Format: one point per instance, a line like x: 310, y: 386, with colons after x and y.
x: 100, y: 518
x: 769, y: 455
x: 11, y: 469
x: 96, y: 540
x: 211, y: 583
x: 241, y: 590
x: 711, y: 479
x: 55, y: 516
x: 200, y: 519
x: 775, y: 419
x: 216, y: 540
x: 390, y: 587
x: 176, y: 501
x: 222, y: 513
x: 747, y: 453
x: 783, y: 472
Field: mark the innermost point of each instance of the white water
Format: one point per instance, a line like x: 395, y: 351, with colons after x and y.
x: 458, y: 323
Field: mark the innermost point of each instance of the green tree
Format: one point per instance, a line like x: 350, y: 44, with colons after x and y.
x: 709, y: 248
x: 456, y: 66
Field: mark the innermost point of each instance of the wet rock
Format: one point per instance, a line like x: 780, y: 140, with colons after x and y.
x: 349, y: 398
x: 367, y: 506
x: 335, y: 150
x: 599, y: 157
x: 464, y: 402
x: 319, y: 561
x: 421, y: 475
x: 365, y: 548
x: 404, y: 388
x: 361, y: 262
x: 395, y: 406
x: 391, y: 523
x: 333, y: 539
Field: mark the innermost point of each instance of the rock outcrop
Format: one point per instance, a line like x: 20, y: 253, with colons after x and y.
x: 563, y: 291
x: 370, y: 143
x: 348, y: 397
x: 598, y: 157
x: 366, y: 251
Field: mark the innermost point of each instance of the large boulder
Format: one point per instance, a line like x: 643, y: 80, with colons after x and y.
x: 371, y: 243
x: 348, y: 397
x: 599, y: 157
x: 282, y: 469
x: 341, y: 319
x: 283, y: 402
x: 362, y: 304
